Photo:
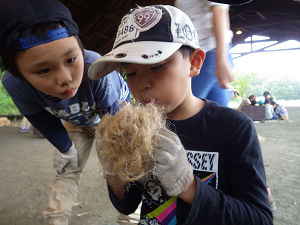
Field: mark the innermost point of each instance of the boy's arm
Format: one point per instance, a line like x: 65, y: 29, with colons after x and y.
x: 52, y: 129
x: 221, y: 24
x: 124, y: 197
x: 23, y: 95
x: 117, y: 187
x: 246, y: 200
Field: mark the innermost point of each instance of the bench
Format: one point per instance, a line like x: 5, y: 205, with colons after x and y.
x: 254, y: 112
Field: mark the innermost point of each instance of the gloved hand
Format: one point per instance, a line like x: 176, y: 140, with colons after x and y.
x: 62, y: 159
x: 171, y: 165
x: 105, y: 168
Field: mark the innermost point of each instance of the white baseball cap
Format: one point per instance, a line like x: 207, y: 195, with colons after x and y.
x: 147, y: 35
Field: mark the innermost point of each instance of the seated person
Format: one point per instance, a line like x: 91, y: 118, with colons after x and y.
x: 269, y: 110
x: 280, y: 112
x: 251, y: 100
x: 268, y: 96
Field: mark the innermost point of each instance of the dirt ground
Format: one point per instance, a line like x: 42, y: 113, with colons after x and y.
x: 26, y: 176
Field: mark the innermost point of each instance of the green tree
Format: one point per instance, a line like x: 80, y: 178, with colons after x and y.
x: 242, y: 83
x: 296, y: 87
x: 256, y: 87
x: 284, y: 89
x: 7, y: 106
x: 248, y: 84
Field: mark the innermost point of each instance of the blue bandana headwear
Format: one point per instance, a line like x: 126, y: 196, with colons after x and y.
x: 19, y: 16
x: 33, y: 40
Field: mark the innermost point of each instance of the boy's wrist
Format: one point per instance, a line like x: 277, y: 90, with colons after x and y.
x: 189, y: 191
x: 117, y: 186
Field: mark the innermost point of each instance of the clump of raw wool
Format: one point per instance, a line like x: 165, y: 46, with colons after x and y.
x: 128, y: 140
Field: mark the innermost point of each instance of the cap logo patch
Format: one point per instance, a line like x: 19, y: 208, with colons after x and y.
x: 133, y: 24
x: 146, y: 18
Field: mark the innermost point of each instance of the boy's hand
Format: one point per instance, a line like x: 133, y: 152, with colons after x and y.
x: 107, y: 171
x: 224, y: 73
x: 171, y: 165
x: 62, y: 159
x: 117, y: 186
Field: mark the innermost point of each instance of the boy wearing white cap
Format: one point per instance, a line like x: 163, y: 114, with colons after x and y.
x: 211, y: 171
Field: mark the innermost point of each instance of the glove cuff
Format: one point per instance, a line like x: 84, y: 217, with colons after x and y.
x: 183, y: 180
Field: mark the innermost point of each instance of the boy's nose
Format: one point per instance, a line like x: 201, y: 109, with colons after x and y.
x: 145, y: 81
x: 63, y: 77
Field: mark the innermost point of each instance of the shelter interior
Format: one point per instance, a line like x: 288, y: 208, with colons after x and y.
x: 277, y: 19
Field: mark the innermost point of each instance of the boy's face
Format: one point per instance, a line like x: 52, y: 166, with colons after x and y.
x: 54, y: 68
x: 167, y: 83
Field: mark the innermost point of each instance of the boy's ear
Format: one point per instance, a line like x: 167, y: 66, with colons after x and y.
x: 197, y: 59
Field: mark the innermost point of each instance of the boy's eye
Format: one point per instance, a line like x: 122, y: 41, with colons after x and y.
x: 44, y: 71
x: 130, y: 74
x: 71, y: 60
x: 157, y: 67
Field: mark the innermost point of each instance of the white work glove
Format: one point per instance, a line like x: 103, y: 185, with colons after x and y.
x: 171, y: 167
x: 99, y: 146
x: 62, y: 159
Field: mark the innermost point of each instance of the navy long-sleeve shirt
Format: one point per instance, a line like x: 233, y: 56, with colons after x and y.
x: 93, y: 98
x: 223, y: 148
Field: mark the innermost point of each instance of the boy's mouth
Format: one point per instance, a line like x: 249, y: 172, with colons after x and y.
x: 149, y: 100
x: 69, y: 92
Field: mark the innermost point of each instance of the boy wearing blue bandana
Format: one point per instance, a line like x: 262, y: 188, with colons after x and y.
x: 47, y: 79
x: 209, y: 169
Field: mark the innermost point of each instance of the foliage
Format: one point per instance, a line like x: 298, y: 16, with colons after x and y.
x: 284, y: 89
x: 7, y: 106
x: 242, y: 83
x: 248, y: 84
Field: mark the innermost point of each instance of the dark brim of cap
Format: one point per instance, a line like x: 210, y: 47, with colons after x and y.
x: 142, y: 52
x: 232, y: 2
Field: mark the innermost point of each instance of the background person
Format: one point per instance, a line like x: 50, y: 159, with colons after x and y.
x: 25, y: 125
x: 280, y: 112
x: 268, y: 97
x: 211, y: 21
x: 251, y: 100
x: 269, y: 110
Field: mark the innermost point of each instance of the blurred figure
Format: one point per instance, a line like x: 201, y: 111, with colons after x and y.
x: 268, y: 96
x: 260, y: 102
x: 251, y: 100
x: 269, y: 110
x: 25, y: 125
x: 271, y: 200
x: 280, y: 112
x: 211, y: 21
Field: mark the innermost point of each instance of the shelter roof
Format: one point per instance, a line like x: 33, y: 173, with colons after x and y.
x: 98, y: 20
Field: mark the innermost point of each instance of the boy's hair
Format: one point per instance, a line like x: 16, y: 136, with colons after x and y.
x: 25, y: 24
x: 186, y: 50
x: 147, y: 35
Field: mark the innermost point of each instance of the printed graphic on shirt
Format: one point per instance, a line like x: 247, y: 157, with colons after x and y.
x: 81, y: 114
x: 156, y: 198
x: 205, y: 166
x: 165, y: 214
